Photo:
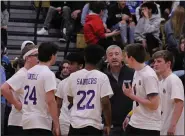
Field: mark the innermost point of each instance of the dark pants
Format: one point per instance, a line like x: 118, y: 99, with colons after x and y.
x: 4, y: 36
x: 152, y: 43
x: 86, y: 131
x: 15, y: 130
x: 131, y: 131
x: 6, y: 116
x: 117, y: 131
x: 37, y: 132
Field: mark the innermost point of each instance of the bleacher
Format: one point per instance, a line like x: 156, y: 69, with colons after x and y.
x: 23, y: 24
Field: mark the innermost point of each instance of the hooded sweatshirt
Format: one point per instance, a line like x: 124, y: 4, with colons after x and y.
x: 145, y: 26
x: 93, y: 29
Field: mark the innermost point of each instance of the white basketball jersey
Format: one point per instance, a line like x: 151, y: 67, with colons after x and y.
x: 87, y: 88
x: 17, y: 84
x: 145, y: 82
x: 171, y: 88
x: 64, y: 117
x: 40, y: 80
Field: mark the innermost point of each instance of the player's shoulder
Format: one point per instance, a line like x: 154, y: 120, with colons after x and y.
x: 172, y: 78
x: 61, y: 83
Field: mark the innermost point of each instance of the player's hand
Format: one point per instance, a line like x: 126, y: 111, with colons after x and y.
x: 127, y: 91
x: 18, y: 105
x: 125, y: 123
x: 59, y: 9
x: 56, y: 130
x: 171, y: 130
x: 107, y: 130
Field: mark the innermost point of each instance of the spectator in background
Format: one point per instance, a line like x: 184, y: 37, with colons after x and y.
x: 148, y: 27
x: 63, y: 71
x: 139, y: 12
x: 118, y: 18
x: 94, y: 30
x: 118, y: 73
x: 4, y: 22
x: 173, y: 28
x: 86, y: 11
x: 56, y: 8
x: 3, y: 100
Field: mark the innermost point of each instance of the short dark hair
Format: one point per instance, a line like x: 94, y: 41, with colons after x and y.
x: 97, y: 6
x: 76, y: 57
x: 137, y: 51
x: 166, y: 55
x: 151, y: 5
x: 46, y: 50
x: 93, y: 54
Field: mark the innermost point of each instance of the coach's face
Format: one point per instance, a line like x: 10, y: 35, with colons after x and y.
x: 160, y: 66
x: 114, y: 57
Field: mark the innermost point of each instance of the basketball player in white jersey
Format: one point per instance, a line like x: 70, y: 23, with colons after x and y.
x: 89, y: 91
x: 172, y: 94
x: 40, y: 107
x: 16, y: 83
x: 146, y: 117
x: 76, y: 62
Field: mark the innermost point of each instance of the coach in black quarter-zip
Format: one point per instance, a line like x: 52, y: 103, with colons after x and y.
x: 118, y: 73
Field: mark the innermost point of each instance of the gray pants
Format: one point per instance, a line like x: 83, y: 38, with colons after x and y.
x: 66, y: 15
x: 124, y: 30
x: 2, y: 118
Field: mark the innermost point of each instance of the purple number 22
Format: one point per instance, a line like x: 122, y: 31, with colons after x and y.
x: 32, y: 96
x: 84, y: 94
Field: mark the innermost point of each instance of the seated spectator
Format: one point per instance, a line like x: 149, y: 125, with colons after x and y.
x: 179, y: 64
x: 148, y: 28
x: 118, y: 18
x: 63, y: 71
x: 70, y: 13
x: 139, y: 12
x: 54, y: 10
x: 4, y: 22
x: 94, y: 31
x: 86, y: 11
x: 3, y: 100
x: 173, y: 28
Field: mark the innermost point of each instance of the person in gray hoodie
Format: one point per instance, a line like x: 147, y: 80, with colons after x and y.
x: 148, y: 27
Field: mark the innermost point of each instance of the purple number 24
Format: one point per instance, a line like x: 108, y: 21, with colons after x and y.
x: 32, y: 96
x: 84, y: 94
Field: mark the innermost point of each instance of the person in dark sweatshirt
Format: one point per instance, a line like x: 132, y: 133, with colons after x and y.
x: 94, y: 30
x: 118, y: 73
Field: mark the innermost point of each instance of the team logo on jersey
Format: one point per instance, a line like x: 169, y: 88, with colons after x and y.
x: 139, y: 82
x: 164, y: 91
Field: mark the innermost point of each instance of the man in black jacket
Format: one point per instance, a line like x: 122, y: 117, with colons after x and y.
x: 118, y: 74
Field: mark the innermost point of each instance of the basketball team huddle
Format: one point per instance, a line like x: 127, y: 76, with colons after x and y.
x: 80, y: 104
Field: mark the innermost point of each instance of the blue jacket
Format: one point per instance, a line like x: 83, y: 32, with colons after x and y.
x: 3, y: 79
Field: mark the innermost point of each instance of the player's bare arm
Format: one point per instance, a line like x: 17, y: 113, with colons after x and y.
x: 106, y: 106
x: 6, y: 91
x: 179, y: 105
x: 152, y: 101
x: 52, y: 106
x: 59, y: 104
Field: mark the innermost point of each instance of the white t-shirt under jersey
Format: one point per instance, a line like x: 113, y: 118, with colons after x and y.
x: 40, y: 80
x: 145, y: 82
x: 171, y: 88
x: 17, y: 84
x: 64, y: 117
x: 87, y: 88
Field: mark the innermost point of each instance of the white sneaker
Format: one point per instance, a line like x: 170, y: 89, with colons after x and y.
x: 42, y: 32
